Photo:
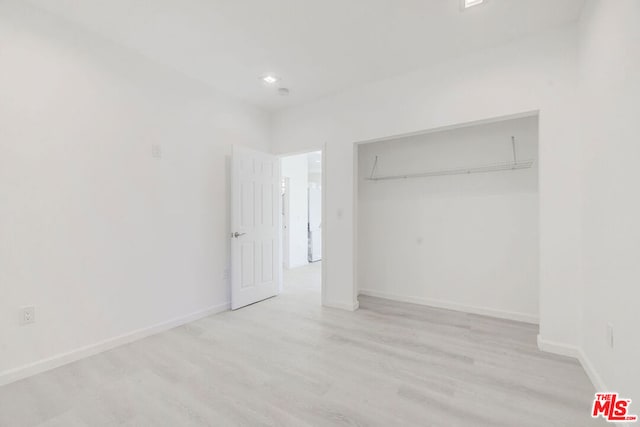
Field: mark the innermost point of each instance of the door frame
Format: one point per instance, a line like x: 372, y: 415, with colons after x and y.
x: 285, y: 218
x: 323, y: 171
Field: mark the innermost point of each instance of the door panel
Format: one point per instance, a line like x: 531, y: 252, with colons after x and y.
x: 255, y: 194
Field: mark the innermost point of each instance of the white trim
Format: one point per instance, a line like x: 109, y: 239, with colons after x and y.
x: 484, y: 311
x: 61, y: 359
x: 489, y: 120
x: 323, y: 229
x: 342, y: 305
x: 558, y: 348
x: 577, y: 353
x: 595, y: 378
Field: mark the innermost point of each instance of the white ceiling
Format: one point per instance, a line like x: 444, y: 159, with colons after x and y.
x: 317, y: 47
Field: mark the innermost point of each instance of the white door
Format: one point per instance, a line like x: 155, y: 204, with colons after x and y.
x: 255, y: 226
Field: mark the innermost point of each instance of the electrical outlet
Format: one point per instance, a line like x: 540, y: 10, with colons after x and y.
x: 156, y: 151
x: 27, y: 315
x: 225, y: 275
x: 610, y: 335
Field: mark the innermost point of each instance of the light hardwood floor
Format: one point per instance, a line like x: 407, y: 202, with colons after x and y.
x: 289, y: 362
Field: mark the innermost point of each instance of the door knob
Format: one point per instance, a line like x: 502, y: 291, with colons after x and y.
x: 236, y: 234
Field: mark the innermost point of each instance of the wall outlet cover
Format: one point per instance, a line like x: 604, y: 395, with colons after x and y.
x: 156, y: 151
x: 27, y: 315
x: 610, y: 335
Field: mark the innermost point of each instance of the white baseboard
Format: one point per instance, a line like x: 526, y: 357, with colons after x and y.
x: 342, y: 305
x: 484, y: 311
x: 577, y: 353
x: 593, y: 375
x: 58, y: 360
x: 558, y: 348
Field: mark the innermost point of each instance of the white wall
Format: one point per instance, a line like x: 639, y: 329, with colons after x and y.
x: 466, y: 242
x: 610, y: 66
x: 537, y: 73
x: 296, y: 168
x: 102, y: 238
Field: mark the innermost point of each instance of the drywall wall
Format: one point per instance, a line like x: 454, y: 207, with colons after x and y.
x: 466, y: 242
x: 106, y: 241
x: 296, y: 168
x: 536, y: 73
x: 610, y: 87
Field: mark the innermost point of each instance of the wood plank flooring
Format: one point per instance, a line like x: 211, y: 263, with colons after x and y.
x: 289, y: 362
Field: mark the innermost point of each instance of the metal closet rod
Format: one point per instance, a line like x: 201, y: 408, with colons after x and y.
x: 513, y: 165
x: 524, y: 164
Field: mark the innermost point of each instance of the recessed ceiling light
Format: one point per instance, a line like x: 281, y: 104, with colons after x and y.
x: 270, y: 79
x: 283, y: 91
x: 470, y: 3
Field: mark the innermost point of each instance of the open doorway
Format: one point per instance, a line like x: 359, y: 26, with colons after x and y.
x: 301, y: 209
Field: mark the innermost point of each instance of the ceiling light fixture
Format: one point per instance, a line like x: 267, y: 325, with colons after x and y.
x: 470, y: 3
x: 270, y: 79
